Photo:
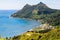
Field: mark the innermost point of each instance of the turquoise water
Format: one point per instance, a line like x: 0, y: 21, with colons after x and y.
x: 10, y: 27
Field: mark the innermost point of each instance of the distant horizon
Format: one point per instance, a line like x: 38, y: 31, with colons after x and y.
x: 8, y: 9
x: 19, y: 4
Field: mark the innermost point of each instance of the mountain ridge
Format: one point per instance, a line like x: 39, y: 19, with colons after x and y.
x: 29, y: 8
x: 39, y: 11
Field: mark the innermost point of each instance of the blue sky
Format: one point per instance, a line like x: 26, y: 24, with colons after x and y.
x: 18, y: 4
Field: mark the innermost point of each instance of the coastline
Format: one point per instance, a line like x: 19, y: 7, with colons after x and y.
x: 28, y: 19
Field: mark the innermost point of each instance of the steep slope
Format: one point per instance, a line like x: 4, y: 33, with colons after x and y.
x: 29, y: 11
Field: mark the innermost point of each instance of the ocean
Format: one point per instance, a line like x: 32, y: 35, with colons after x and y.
x: 10, y: 26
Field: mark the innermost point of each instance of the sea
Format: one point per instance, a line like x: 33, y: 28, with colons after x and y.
x: 10, y: 26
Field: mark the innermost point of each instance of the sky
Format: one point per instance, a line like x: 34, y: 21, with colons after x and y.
x: 19, y: 4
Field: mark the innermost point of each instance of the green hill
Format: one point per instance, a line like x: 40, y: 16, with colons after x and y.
x: 30, y: 11
x: 39, y: 12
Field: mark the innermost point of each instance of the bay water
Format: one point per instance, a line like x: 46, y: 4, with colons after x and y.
x: 10, y: 27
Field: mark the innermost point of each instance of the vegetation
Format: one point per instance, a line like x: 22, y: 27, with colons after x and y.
x: 53, y: 34
x: 1, y: 38
x: 39, y: 12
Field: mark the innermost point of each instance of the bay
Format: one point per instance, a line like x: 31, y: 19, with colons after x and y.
x: 10, y: 27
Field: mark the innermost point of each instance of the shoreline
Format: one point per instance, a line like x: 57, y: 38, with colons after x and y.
x: 27, y: 19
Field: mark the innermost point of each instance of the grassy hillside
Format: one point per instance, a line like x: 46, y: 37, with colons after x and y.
x: 53, y: 34
x: 1, y: 38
